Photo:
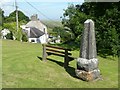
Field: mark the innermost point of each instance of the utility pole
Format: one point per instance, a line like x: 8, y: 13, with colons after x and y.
x: 16, y: 15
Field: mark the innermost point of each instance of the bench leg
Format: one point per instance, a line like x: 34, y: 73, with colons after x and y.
x: 44, y: 56
x: 66, y: 59
x: 66, y: 62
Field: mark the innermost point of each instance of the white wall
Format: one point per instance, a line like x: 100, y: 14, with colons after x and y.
x: 32, y: 39
x: 44, y: 39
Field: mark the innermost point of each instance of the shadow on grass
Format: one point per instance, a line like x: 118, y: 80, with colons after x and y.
x: 69, y: 70
x: 39, y: 58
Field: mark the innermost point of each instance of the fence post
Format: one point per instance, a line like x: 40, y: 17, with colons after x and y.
x: 44, y: 56
x: 66, y: 59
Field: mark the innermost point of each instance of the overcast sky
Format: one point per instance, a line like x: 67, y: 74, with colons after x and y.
x: 51, y: 9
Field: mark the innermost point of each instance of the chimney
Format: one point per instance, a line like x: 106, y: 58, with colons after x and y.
x: 34, y: 17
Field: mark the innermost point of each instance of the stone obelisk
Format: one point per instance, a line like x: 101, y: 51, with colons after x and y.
x: 87, y: 63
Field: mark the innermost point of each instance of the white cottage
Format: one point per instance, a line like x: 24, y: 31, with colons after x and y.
x: 36, y: 31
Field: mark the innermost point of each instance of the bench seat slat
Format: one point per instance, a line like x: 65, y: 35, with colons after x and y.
x: 58, y: 47
x: 57, y: 51
x: 58, y: 54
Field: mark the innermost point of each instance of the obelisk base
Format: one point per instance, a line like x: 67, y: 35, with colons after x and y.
x: 88, y: 76
x: 87, y: 69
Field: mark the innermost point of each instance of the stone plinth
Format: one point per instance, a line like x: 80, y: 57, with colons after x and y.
x: 87, y: 69
x: 88, y: 76
x: 87, y: 65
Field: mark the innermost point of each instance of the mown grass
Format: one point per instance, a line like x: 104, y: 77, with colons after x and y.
x: 0, y: 64
x: 23, y: 69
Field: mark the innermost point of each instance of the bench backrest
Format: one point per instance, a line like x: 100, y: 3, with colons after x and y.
x: 57, y: 49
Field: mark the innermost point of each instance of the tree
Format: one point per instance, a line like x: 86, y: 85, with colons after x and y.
x: 64, y: 34
x: 11, y: 26
x: 10, y: 23
x: 24, y: 37
x: 1, y: 18
x: 21, y: 17
x: 107, y: 23
x: 73, y: 22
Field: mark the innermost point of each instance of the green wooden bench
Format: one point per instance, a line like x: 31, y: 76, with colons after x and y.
x: 58, y: 51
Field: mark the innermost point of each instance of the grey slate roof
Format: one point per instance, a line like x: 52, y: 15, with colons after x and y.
x: 36, y: 24
x: 35, y: 33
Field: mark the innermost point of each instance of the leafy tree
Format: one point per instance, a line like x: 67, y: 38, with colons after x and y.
x: 1, y: 18
x: 11, y: 26
x: 64, y: 34
x: 57, y: 30
x: 24, y: 37
x: 73, y: 22
x: 21, y: 17
x: 107, y: 23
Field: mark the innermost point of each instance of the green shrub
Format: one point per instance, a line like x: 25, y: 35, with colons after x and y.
x: 24, y: 38
x: 9, y: 36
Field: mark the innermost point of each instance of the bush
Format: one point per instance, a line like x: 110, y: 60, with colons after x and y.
x: 9, y: 36
x: 0, y: 35
x: 24, y: 38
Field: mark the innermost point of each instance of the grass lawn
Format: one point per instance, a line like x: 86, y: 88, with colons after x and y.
x: 23, y: 69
